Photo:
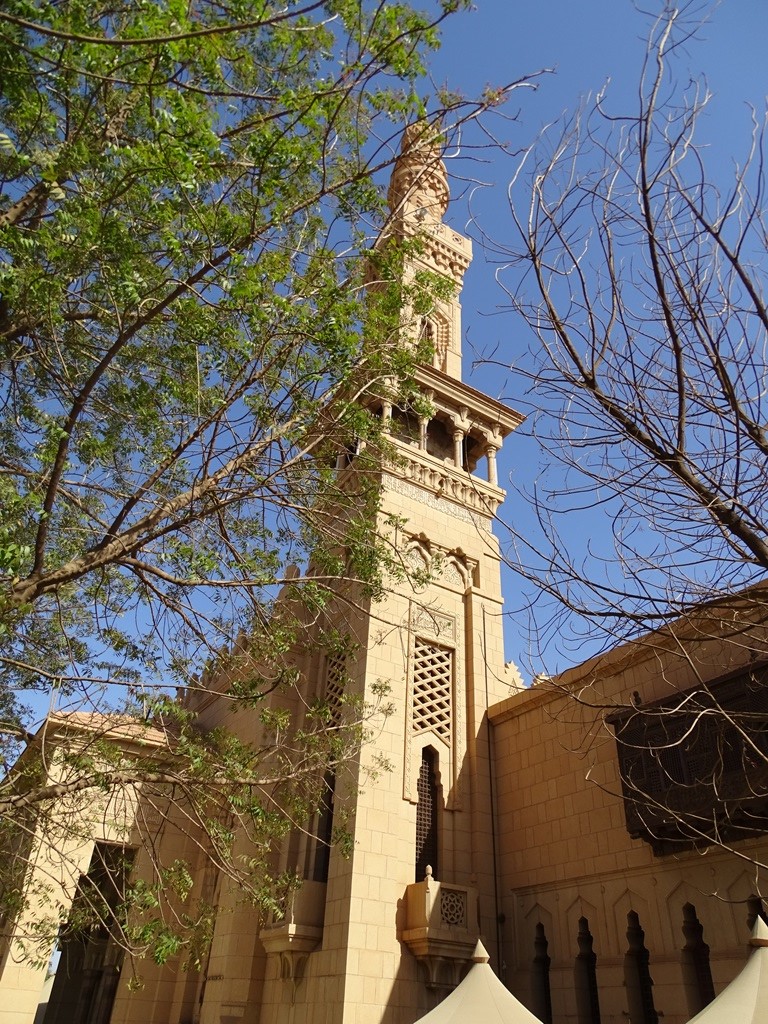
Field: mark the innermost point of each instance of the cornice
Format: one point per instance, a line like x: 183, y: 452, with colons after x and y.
x: 455, y: 394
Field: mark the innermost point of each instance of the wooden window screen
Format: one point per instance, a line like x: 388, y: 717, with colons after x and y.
x: 426, y: 816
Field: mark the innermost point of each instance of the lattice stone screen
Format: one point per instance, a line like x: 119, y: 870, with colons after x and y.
x: 335, y: 680
x: 453, y: 907
x: 432, y: 686
x: 334, y: 684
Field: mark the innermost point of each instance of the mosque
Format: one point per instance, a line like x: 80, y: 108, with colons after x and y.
x: 509, y: 814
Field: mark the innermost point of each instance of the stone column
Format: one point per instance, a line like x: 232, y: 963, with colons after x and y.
x: 493, y: 476
x: 493, y: 444
x: 458, y: 448
x: 460, y: 430
x: 423, y: 421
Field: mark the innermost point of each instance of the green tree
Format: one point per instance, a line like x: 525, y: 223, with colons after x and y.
x: 189, y: 200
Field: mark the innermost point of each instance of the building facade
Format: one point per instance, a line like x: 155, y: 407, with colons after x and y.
x: 618, y: 904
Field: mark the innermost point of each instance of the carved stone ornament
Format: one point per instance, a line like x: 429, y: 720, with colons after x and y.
x: 450, y: 508
x: 428, y: 621
x: 440, y: 929
x: 452, y: 576
x: 419, y: 180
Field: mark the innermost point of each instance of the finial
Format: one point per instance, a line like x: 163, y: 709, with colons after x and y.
x: 480, y: 955
x: 759, y: 933
x: 419, y: 185
x: 428, y: 873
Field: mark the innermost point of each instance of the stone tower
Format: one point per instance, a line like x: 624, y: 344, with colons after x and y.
x: 380, y: 936
x: 383, y: 935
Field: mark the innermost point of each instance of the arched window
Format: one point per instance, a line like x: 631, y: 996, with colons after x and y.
x: 435, y: 333
x: 697, y: 975
x: 427, y: 333
x: 426, y: 816
x: 542, y: 995
x: 585, y: 977
x: 637, y: 975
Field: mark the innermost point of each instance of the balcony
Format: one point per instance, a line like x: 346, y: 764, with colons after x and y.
x: 299, y: 932
x: 441, y: 929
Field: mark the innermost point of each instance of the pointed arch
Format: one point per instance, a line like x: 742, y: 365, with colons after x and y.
x: 541, y: 990
x: 637, y: 974
x: 455, y: 574
x: 697, y: 974
x: 585, y: 976
x: 436, y: 331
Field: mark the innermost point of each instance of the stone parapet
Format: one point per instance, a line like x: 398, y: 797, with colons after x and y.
x: 445, y: 480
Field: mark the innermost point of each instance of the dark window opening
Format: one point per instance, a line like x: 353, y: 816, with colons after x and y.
x: 324, y: 829
x: 426, y: 816
x: 755, y: 909
x: 404, y: 425
x: 542, y: 994
x: 637, y: 975
x: 100, y: 892
x: 697, y: 975
x: 335, y: 689
x: 350, y: 453
x: 439, y: 440
x: 695, y: 767
x: 473, y: 450
x: 585, y: 977
x: 91, y: 953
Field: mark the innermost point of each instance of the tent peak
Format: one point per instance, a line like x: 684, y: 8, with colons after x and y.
x: 759, y: 933
x: 480, y: 955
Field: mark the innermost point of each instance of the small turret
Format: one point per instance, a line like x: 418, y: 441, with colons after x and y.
x: 419, y: 188
x: 418, y: 200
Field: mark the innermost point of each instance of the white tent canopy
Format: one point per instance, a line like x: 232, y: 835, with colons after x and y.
x: 480, y: 999
x: 745, y: 1000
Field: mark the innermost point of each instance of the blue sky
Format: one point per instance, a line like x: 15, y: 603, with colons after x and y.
x: 586, y: 44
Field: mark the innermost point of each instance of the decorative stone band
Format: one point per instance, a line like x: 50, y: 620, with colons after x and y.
x: 445, y: 481
x: 481, y: 521
x: 449, y: 252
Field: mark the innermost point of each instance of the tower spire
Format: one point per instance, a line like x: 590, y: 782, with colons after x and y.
x: 419, y: 185
x: 418, y: 199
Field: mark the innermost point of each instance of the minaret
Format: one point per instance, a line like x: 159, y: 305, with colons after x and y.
x: 403, y: 913
x: 418, y: 200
